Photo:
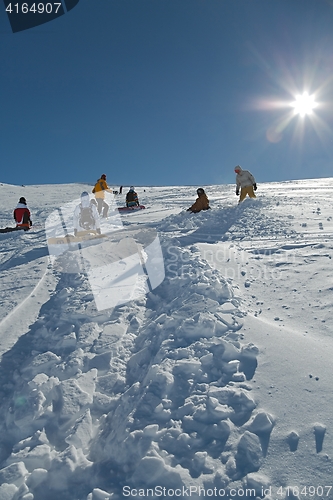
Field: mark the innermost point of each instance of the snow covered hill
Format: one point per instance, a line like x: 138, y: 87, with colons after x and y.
x: 217, y: 382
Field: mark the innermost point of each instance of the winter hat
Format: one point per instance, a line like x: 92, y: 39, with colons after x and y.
x: 200, y: 191
x: 23, y: 200
x: 85, y: 193
x: 238, y: 169
x: 103, y: 176
x: 132, y: 188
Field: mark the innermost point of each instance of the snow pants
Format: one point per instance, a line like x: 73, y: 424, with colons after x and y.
x: 102, y: 207
x: 246, y: 190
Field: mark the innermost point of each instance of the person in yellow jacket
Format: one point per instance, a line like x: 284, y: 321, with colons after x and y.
x: 99, y: 192
x: 201, y: 203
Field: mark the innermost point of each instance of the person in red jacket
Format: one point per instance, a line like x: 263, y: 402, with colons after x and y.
x: 21, y: 216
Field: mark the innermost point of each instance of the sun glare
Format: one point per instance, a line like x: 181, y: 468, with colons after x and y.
x: 304, y: 104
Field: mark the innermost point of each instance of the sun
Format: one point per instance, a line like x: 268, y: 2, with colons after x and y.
x: 304, y: 104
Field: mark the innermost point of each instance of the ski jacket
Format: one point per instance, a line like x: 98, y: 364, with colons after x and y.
x: 132, y: 198
x: 22, y: 216
x: 201, y: 203
x: 99, y: 188
x: 82, y: 225
x: 244, y: 179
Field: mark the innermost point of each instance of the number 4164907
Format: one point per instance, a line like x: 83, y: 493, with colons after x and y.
x: 310, y: 491
x: 35, y: 8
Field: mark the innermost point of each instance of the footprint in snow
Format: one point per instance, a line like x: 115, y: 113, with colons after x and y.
x: 292, y: 440
x: 319, y: 432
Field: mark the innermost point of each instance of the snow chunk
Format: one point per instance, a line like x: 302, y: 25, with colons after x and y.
x: 64, y: 465
x: 8, y: 491
x: 262, y: 423
x: 27, y: 409
x: 98, y: 494
x: 14, y: 474
x: 258, y: 482
x: 36, y: 478
x: 249, y: 453
x: 72, y: 401
x: 88, y: 333
x: 201, y: 325
x: 249, y: 351
x: 33, y: 458
x: 110, y: 383
x: 154, y: 471
x: 42, y: 363
x: 82, y: 433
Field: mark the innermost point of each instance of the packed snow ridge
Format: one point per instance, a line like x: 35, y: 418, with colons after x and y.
x: 215, y: 383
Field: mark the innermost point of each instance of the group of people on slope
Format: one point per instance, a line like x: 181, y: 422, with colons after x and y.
x: 99, y: 191
x: 245, y: 185
x: 86, y: 214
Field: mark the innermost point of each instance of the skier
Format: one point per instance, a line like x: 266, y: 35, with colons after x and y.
x: 86, y: 216
x: 246, y: 182
x: 201, y: 203
x: 132, y: 198
x: 99, y: 191
x: 121, y: 190
x: 21, y: 216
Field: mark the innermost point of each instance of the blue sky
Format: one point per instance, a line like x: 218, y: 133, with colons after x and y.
x: 167, y: 92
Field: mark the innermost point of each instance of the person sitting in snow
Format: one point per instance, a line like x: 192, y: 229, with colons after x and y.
x: 201, y: 203
x: 132, y: 198
x: 99, y: 192
x: 245, y: 182
x: 21, y: 216
x: 86, y: 216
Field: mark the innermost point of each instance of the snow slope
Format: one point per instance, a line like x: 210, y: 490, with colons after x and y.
x: 218, y: 382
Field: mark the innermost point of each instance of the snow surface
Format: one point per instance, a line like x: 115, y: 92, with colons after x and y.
x: 218, y: 382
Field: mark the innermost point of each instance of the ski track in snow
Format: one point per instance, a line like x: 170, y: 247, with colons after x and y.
x: 216, y: 379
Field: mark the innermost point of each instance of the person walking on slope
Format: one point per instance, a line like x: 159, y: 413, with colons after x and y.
x: 132, y: 198
x: 245, y: 182
x: 99, y: 192
x: 86, y: 216
x: 21, y: 216
x: 201, y: 203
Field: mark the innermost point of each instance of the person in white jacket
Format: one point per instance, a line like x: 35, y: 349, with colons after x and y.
x: 245, y: 182
x: 86, y: 216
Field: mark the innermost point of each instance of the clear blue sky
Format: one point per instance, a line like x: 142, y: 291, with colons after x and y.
x: 168, y: 92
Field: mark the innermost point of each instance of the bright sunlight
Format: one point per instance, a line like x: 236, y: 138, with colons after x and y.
x: 304, y: 104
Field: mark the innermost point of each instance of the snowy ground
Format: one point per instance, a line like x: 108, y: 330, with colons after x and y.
x: 216, y: 383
